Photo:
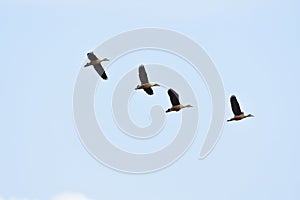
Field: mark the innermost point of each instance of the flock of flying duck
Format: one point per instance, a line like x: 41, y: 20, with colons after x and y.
x: 147, y: 87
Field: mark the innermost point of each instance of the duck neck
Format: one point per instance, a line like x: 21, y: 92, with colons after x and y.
x: 186, y: 106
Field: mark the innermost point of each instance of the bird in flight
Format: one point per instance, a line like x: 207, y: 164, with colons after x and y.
x: 238, y: 114
x: 96, y: 62
x: 145, y: 85
x: 174, y: 97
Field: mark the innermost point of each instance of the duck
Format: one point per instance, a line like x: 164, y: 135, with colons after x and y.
x: 96, y: 62
x: 145, y: 84
x: 174, y: 98
x: 238, y: 114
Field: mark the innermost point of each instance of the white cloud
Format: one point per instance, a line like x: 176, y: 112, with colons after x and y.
x: 13, y: 198
x: 61, y: 196
x: 70, y: 196
x: 150, y: 9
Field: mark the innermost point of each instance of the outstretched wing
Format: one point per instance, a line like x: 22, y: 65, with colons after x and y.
x: 91, y: 56
x: 100, y: 71
x: 143, y: 75
x: 174, y: 97
x: 235, y: 106
x: 148, y: 90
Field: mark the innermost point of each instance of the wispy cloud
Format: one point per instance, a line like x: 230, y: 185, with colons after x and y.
x: 13, y: 198
x: 61, y: 196
x: 70, y: 196
x: 152, y: 9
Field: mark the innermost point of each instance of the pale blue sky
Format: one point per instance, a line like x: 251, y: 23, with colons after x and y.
x: 255, y: 46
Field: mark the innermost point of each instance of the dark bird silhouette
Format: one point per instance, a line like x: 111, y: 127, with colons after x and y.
x: 145, y: 85
x: 174, y: 98
x: 238, y: 114
x: 96, y: 62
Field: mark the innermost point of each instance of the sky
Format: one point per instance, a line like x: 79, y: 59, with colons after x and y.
x: 255, y: 47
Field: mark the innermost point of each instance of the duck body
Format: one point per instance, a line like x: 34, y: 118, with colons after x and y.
x: 175, y: 108
x: 144, y: 86
x: 237, y: 118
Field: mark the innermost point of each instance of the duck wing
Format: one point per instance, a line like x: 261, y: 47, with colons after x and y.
x: 148, y: 91
x: 235, y: 106
x: 91, y: 56
x: 174, y: 97
x: 143, y: 74
x: 99, y: 69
